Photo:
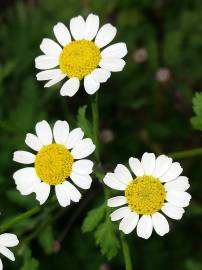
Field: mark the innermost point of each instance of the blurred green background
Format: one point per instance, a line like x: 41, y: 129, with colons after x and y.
x: 147, y: 107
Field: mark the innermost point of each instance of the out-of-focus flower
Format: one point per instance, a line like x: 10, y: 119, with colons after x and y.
x: 56, y: 246
x: 105, y: 267
x: 157, y: 187
x: 55, y: 162
x: 81, y: 57
x: 163, y: 75
x: 106, y: 136
x: 140, y: 55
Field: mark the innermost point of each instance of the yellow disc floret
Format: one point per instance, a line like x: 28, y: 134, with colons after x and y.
x: 79, y: 58
x: 53, y: 164
x: 145, y: 195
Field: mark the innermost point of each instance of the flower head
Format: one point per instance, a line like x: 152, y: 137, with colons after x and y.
x: 7, y: 240
x: 156, y: 188
x: 80, y: 56
x: 55, y: 163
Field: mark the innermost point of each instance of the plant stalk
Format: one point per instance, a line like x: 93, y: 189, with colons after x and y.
x: 19, y: 218
x: 187, y: 153
x: 126, y: 253
x: 95, y: 116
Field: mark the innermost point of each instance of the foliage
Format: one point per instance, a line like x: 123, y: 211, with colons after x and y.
x: 142, y: 109
x: 104, y: 232
x: 46, y: 240
x: 28, y: 261
x: 106, y: 238
x: 197, y: 107
x: 93, y: 218
x: 83, y: 122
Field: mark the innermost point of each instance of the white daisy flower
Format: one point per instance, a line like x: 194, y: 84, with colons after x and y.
x: 55, y: 162
x: 7, y: 240
x: 80, y: 56
x: 157, y: 187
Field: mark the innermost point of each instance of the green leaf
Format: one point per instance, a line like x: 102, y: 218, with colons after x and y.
x: 46, y: 240
x: 29, y: 262
x: 192, y: 264
x: 93, y: 219
x: 106, y: 238
x: 83, y: 122
x: 197, y: 104
x: 196, y: 121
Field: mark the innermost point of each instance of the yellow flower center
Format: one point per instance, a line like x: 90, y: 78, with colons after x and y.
x: 145, y: 195
x: 53, y: 164
x: 79, y: 58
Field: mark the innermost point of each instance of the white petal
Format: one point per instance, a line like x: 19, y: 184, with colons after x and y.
x: 178, y: 198
x: 61, y: 131
x: 111, y: 181
x: 1, y: 265
x: 62, y: 34
x: 77, y: 27
x: 50, y: 47
x: 128, y: 223
x: 8, y: 240
x: 48, y: 74
x: 33, y: 142
x: 70, y: 87
x: 46, y: 62
x: 75, y: 136
x: 144, y: 227
x: 26, y: 180
x: 163, y: 163
x: 180, y: 184
x: 82, y: 181
x: 83, y: 149
x: 105, y: 35
x: 160, y: 224
x: 42, y: 192
x: 55, y: 80
x: 120, y: 213
x: 116, y: 201
x: 83, y: 166
x: 123, y: 174
x: 24, y: 157
x: 92, y: 25
x: 173, y: 172
x: 148, y: 163
x: 72, y: 191
x: 172, y: 211
x: 44, y: 132
x: 117, y: 50
x: 7, y: 253
x: 62, y: 195
x: 100, y: 75
x: 90, y: 85
x: 112, y: 64
x: 136, y: 166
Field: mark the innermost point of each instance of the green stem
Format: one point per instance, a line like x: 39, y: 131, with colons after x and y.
x: 95, y: 115
x: 100, y: 175
x: 187, y: 153
x: 126, y: 253
x: 24, y: 216
x: 19, y: 218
